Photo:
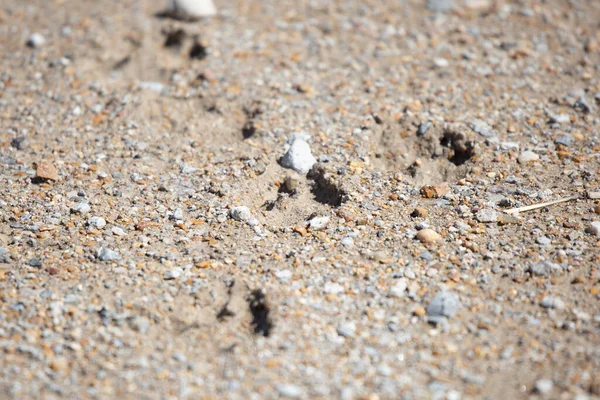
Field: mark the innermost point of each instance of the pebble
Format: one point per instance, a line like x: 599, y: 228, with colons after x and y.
x: 81, y: 208
x: 20, y: 143
x: 318, y: 223
x: 118, y: 231
x: 428, y: 236
x: 440, y: 5
x: 333, y: 288
x: 47, y: 171
x: 443, y: 304
x: 347, y: 329
x: 544, y: 386
x: 423, y: 128
x: 527, y: 156
x: 140, y: 324
x: 486, y: 215
x: 399, y: 288
x: 543, y: 240
x: 240, y: 213
x: 36, y: 40
x: 419, y: 212
x: 173, y: 273
x: 298, y: 157
x: 594, y: 228
x: 106, y: 254
x: 291, y: 183
x: 96, y: 222
x: 191, y: 9
x: 289, y: 390
x: 544, y: 268
x: 552, y: 302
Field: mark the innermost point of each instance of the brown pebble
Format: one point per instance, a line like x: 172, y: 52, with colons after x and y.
x: 291, y: 183
x: 59, y: 364
x: 597, y: 208
x: 52, y: 270
x: 419, y: 311
x: 419, y: 212
x: 46, y: 170
x: 428, y: 236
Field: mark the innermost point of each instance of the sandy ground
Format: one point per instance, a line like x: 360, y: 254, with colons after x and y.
x: 126, y: 140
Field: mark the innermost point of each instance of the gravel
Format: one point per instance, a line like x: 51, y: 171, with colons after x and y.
x: 206, y: 266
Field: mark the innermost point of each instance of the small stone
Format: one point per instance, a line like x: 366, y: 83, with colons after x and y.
x: 440, y: 5
x: 290, y: 391
x: 486, y: 215
x: 347, y: 329
x: 47, y: 171
x: 20, y: 143
x: 527, y: 156
x: 177, y: 215
x: 81, y: 208
x: 347, y: 241
x: 140, y: 324
x: 283, y: 275
x: 96, y: 222
x: 298, y: 157
x: 106, y: 254
x: 318, y: 223
x: 118, y: 231
x: 552, y: 302
x: 436, y: 191
x: 544, y: 268
x: 36, y: 40
x: 544, y: 386
x: 423, y: 128
x: 291, y: 184
x: 543, y: 240
x: 444, y: 304
x: 333, y: 288
x: 59, y: 364
x: 35, y: 262
x: 191, y: 9
x: 428, y: 236
x: 173, y: 273
x: 594, y: 228
x: 506, y: 219
x: 240, y: 213
x: 399, y: 288
x: 419, y: 212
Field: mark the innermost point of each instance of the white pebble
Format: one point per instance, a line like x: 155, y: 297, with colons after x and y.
x: 191, y: 9
x: 96, y: 222
x: 288, y: 390
x: 399, y: 288
x: 240, y: 213
x: 486, y: 215
x: 36, y: 40
x: 298, y: 157
x: 81, y: 208
x: 527, y: 156
x: 594, y: 228
x: 173, y: 274
x: 333, y: 288
x: 318, y: 223
x: 544, y: 386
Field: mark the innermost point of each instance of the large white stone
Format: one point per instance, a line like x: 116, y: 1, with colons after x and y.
x: 191, y: 9
x: 298, y: 157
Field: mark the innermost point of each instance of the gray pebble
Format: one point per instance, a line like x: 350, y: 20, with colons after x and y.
x: 486, y: 215
x: 444, y: 304
x: 106, y: 254
x: 81, y: 208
